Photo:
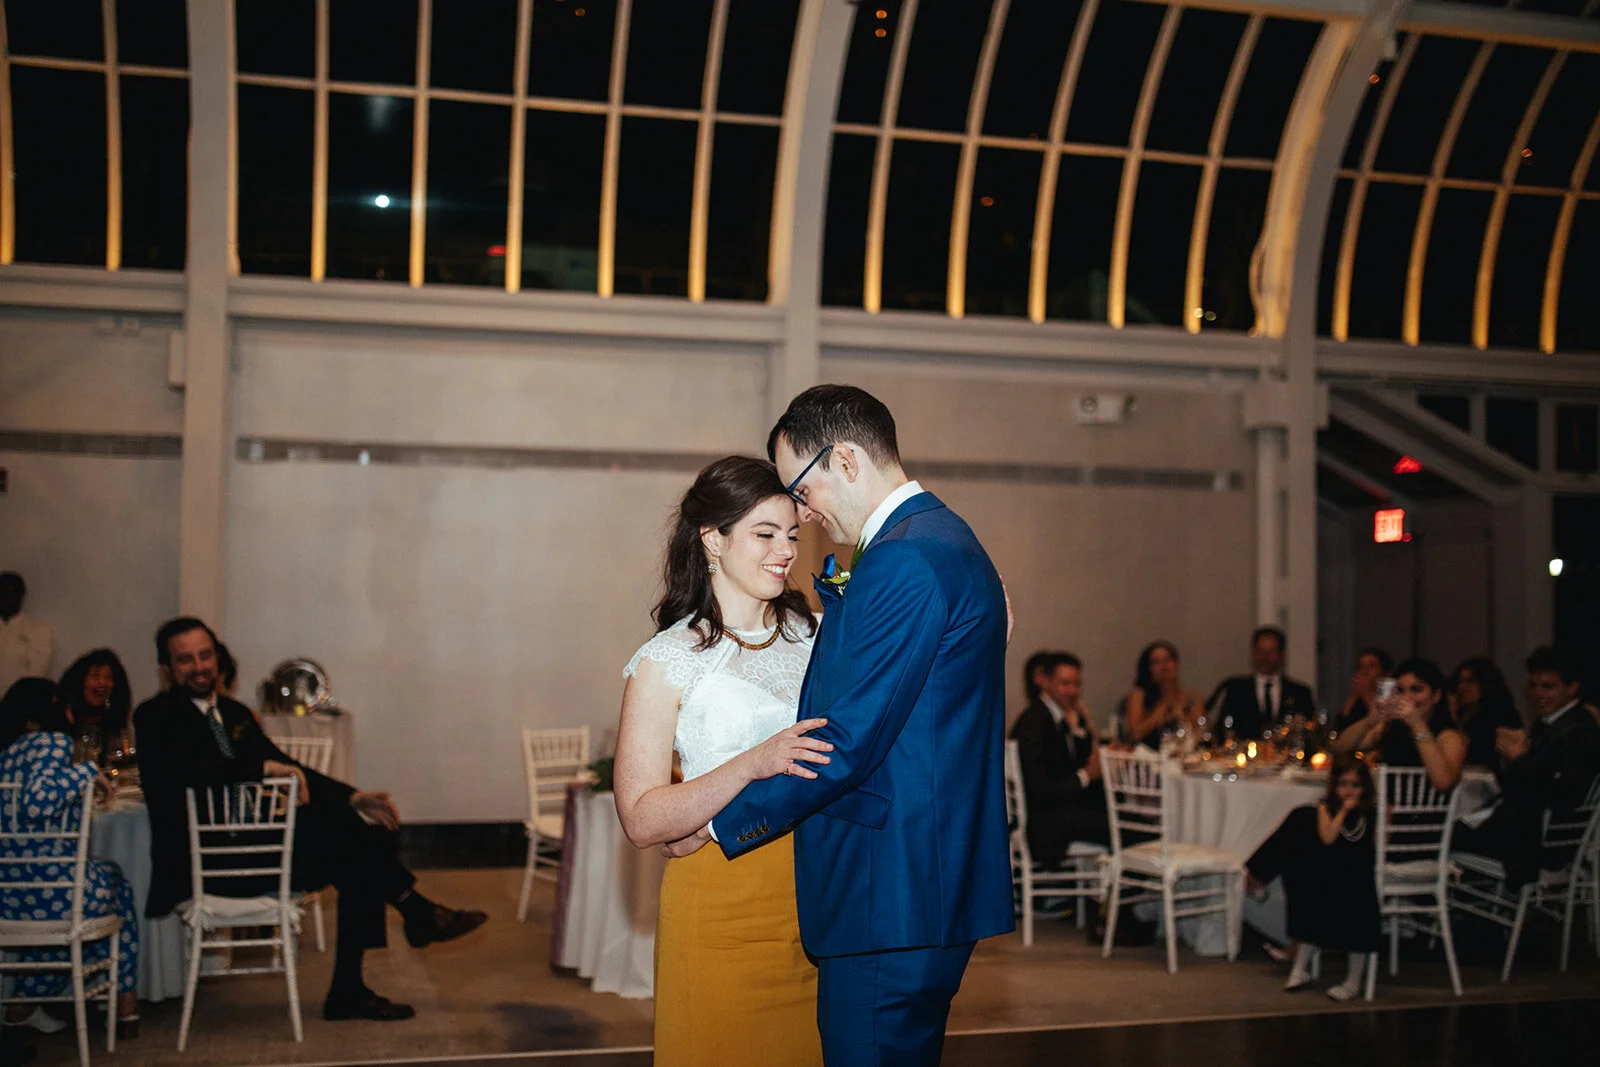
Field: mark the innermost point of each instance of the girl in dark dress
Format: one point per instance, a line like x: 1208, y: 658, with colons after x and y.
x: 1332, y: 895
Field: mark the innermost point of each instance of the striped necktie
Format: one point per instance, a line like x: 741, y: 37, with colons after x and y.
x: 220, y: 732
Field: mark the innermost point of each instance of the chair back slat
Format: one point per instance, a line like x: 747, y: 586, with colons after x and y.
x: 313, y: 753
x: 551, y: 759
x: 1415, y: 821
x: 1574, y: 831
x: 245, y: 819
x: 50, y: 853
x: 1135, y: 796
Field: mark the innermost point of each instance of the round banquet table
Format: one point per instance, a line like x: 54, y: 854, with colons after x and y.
x: 1238, y: 815
x: 606, y: 896
x: 121, y: 834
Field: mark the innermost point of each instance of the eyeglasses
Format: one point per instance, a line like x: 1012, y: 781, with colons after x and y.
x: 795, y: 485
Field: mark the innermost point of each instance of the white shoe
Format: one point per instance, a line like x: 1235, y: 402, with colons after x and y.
x: 1343, y: 992
x: 41, y: 1021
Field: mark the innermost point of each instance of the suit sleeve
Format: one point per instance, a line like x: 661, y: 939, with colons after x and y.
x: 1031, y: 737
x: 894, y: 624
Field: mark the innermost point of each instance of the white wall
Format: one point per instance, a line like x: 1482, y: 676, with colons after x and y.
x: 96, y: 537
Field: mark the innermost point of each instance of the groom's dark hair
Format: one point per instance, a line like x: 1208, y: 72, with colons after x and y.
x: 827, y: 414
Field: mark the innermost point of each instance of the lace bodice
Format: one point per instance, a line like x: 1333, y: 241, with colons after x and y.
x: 733, y: 699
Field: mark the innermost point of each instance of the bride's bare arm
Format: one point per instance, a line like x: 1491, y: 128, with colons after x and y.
x: 652, y: 808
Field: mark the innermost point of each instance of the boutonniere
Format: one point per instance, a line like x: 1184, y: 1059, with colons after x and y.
x: 832, y: 575
x: 238, y: 732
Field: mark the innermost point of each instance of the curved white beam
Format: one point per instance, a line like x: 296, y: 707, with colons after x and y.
x: 319, y: 150
x: 1122, y: 231
x: 877, y: 208
x: 607, y: 270
x: 1497, y: 211
x: 419, y: 143
x: 966, y: 173
x: 519, y: 134
x: 8, y: 187
x: 108, y: 27
x: 1558, y: 246
x: 700, y: 204
x: 1049, y: 173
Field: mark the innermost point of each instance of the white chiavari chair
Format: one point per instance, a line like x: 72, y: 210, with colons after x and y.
x: 45, y: 857
x: 550, y: 760
x: 244, y: 830
x: 1081, y: 879
x: 314, y: 753
x: 1415, y: 822
x: 1153, y: 867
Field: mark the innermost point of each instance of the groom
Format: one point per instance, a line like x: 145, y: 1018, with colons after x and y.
x: 907, y: 865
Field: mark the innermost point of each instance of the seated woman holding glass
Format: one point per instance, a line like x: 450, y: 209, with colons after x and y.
x: 35, y: 735
x: 1158, y: 703
x: 1412, y: 726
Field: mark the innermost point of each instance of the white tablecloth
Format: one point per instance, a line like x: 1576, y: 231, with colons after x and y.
x: 339, y: 727
x: 122, y: 835
x: 610, y: 921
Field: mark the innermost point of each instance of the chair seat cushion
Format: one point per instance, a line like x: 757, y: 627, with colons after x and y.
x: 20, y: 933
x: 1420, y: 873
x: 1484, y: 865
x: 1180, y: 857
x: 552, y: 826
x: 1086, y: 850
x: 214, y: 912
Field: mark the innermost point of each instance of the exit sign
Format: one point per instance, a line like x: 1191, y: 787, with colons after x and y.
x: 1389, y: 525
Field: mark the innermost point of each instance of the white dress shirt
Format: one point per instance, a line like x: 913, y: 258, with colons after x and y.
x: 881, y: 514
x: 1277, y: 693
x: 25, y: 649
x: 1080, y: 733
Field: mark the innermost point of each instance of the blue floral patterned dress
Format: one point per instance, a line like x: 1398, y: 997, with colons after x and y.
x: 52, y: 783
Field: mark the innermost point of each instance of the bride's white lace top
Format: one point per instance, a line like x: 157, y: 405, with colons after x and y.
x: 733, y: 699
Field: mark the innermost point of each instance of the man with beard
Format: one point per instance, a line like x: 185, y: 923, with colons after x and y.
x: 195, y: 736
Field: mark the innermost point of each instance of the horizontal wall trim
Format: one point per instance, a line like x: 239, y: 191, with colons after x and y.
x: 47, y: 442
x: 91, y: 288
x: 283, y: 450
x: 1394, y: 362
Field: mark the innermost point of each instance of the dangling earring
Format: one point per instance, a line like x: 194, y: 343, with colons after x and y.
x: 711, y: 567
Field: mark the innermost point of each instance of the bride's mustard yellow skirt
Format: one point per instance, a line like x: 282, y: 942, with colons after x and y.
x: 733, y: 984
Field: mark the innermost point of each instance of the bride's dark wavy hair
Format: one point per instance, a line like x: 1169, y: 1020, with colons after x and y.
x: 721, y: 495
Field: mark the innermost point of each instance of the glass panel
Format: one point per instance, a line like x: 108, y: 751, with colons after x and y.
x: 1577, y: 438
x: 1564, y: 121
x: 369, y: 187
x: 755, y: 56
x: 942, y: 63
x: 1383, y: 250
x: 570, y: 58
x: 1523, y: 255
x: 561, y: 201
x: 1112, y: 74
x: 1450, y: 272
x: 154, y: 33
x: 1511, y: 424
x: 1578, y: 316
x: 1191, y: 86
x: 59, y: 140
x: 1557, y: 7
x: 469, y: 157
x: 1269, y: 86
x: 155, y: 169
x: 844, y: 252
x: 62, y: 29
x: 1456, y: 410
x: 1238, y: 209
x: 1080, y: 238
x: 373, y: 41
x: 1000, y: 236
x: 667, y: 53
x: 866, y: 68
x: 1378, y: 83
x: 744, y: 165
x: 1329, y: 272
x: 1575, y: 537
x: 1423, y: 104
x: 655, y: 188
x: 276, y: 37
x: 1496, y: 110
x: 1158, y: 249
x: 474, y: 46
x: 916, y: 234
x: 1027, y: 70
x: 275, y: 150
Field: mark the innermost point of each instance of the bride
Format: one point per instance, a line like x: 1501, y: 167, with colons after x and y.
x: 719, y: 684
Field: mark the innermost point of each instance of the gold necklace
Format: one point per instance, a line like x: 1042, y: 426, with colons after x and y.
x: 747, y: 646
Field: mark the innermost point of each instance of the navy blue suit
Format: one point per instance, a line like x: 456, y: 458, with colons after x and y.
x: 908, y: 864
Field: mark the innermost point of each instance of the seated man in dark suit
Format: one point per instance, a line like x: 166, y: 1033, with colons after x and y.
x: 1249, y: 703
x: 1549, y: 767
x: 192, y: 735
x: 1060, y: 763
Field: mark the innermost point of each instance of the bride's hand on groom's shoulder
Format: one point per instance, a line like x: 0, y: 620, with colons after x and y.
x: 784, y: 751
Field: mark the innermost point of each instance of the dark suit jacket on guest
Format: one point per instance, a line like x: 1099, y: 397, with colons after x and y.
x: 177, y: 750
x: 1060, y: 808
x: 1238, y: 699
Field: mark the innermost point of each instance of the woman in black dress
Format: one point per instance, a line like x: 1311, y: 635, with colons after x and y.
x: 1413, y: 728
x: 1483, y: 705
x: 1332, y: 896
